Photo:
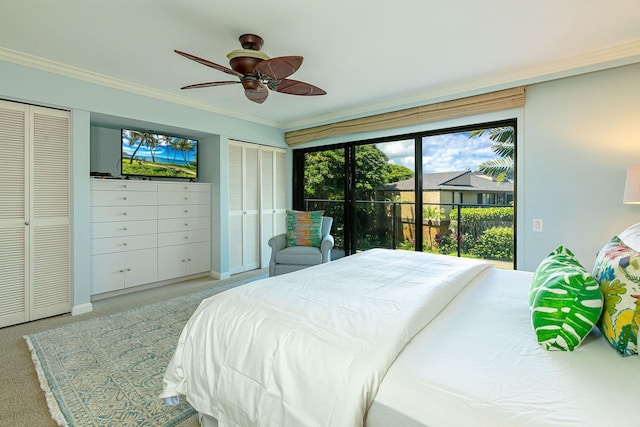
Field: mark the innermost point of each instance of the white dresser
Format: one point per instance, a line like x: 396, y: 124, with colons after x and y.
x: 144, y: 232
x: 184, y: 236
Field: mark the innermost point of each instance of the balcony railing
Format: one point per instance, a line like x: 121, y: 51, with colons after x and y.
x: 463, y: 230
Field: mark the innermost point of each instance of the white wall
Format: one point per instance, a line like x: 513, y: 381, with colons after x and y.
x: 88, y: 100
x: 576, y: 137
x: 580, y: 134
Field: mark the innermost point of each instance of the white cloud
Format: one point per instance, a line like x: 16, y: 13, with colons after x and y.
x: 442, y: 153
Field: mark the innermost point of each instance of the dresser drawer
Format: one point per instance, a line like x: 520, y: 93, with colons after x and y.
x: 122, y: 185
x: 123, y: 213
x: 184, y: 186
x: 183, y: 211
x: 183, y: 198
x: 124, y: 243
x: 183, y: 237
x: 101, y: 230
x: 121, y: 198
x: 183, y: 224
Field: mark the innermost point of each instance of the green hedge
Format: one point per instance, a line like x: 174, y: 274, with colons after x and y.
x: 475, y: 221
x: 495, y: 243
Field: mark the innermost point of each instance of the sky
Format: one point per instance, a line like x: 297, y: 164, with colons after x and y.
x: 442, y: 153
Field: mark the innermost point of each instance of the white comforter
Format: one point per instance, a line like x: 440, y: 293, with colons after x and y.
x: 310, y: 348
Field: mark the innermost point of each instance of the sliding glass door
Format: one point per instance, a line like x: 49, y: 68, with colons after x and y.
x: 449, y: 192
x: 381, y: 220
x: 323, y: 188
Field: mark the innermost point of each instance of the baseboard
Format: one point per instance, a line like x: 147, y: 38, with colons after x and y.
x: 82, y: 309
x: 219, y: 276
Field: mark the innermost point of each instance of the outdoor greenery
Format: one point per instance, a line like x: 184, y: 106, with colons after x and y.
x: 503, y: 146
x: 324, y: 173
x: 483, y: 232
x: 474, y: 221
x: 140, y: 167
x: 495, y: 243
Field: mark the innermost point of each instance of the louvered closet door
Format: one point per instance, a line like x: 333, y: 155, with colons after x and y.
x: 244, y: 237
x: 49, y: 229
x: 13, y: 298
x: 273, y: 198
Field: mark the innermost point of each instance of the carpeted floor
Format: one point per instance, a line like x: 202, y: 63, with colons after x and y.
x: 22, y: 402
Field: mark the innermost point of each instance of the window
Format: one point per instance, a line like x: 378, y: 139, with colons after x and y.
x: 428, y: 191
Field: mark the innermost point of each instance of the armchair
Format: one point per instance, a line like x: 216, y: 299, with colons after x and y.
x: 285, y: 259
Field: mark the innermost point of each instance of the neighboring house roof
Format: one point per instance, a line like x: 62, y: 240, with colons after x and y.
x: 453, y: 181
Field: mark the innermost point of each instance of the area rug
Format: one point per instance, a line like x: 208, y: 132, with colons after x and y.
x: 108, y: 371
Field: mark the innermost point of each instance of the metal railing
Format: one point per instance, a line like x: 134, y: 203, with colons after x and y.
x: 448, y: 227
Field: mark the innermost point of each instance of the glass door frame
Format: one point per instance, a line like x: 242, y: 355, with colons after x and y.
x: 298, y: 194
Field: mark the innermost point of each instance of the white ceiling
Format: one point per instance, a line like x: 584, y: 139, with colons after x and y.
x: 367, y: 54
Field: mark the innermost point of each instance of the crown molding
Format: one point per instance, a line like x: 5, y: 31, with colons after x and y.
x: 32, y: 61
x: 616, y: 56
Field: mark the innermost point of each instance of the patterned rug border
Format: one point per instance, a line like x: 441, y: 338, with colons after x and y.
x: 58, y: 410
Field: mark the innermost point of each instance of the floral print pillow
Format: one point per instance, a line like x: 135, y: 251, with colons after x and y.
x: 617, y: 270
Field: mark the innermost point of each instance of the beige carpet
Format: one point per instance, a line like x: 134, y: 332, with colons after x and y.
x: 22, y: 402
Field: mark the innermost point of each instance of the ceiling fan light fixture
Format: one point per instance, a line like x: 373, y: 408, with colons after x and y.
x: 246, y: 53
x: 257, y: 72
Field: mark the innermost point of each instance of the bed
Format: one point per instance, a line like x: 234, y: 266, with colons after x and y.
x: 392, y: 338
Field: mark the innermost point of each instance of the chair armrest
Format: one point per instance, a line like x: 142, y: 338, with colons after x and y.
x: 278, y: 242
x: 325, y: 248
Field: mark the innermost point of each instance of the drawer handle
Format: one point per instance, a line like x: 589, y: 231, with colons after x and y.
x: 186, y: 237
x: 125, y: 186
x: 121, y: 271
x: 183, y: 261
x: 124, y: 229
x: 124, y: 244
x: 186, y: 198
x: 124, y: 198
x: 186, y: 224
x: 186, y: 211
x: 124, y: 213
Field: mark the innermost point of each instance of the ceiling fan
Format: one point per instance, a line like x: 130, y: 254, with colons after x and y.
x: 257, y: 72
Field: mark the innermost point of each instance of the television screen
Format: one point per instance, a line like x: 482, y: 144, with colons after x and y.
x: 150, y: 154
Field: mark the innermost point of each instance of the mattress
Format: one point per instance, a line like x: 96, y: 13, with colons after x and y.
x: 479, y: 364
x: 310, y: 347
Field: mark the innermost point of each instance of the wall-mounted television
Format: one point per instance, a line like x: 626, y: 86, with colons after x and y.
x: 151, y: 154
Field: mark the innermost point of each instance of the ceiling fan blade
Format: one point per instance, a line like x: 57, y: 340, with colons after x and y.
x: 294, y: 87
x: 257, y: 95
x: 209, y: 64
x: 280, y: 67
x: 210, y: 84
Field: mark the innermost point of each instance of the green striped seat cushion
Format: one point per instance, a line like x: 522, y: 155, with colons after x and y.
x: 565, y: 301
x: 617, y: 270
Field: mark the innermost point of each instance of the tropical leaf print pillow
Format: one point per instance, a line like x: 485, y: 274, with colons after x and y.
x: 617, y: 270
x: 565, y: 301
